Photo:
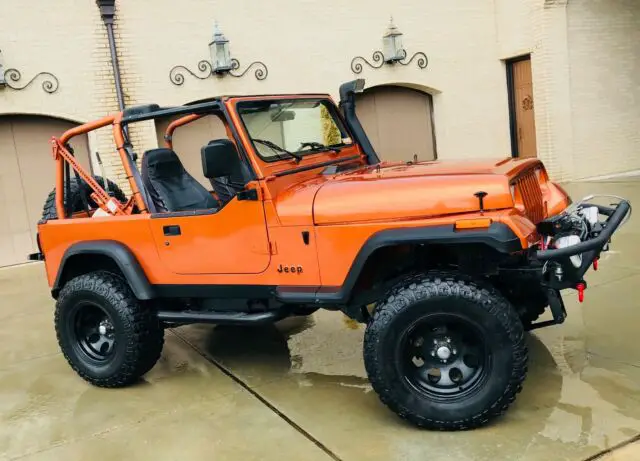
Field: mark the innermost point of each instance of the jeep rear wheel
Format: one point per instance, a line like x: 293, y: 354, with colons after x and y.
x: 108, y: 337
x: 444, y: 352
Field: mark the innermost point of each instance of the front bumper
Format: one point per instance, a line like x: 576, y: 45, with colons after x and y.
x: 559, y: 272
x: 597, y: 243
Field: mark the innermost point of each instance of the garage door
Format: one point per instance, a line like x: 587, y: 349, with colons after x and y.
x: 398, y: 122
x: 26, y: 177
x: 189, y: 139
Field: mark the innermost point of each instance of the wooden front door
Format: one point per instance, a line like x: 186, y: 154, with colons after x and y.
x: 523, y: 124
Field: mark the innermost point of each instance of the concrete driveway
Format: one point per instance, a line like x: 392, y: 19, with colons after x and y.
x: 298, y: 390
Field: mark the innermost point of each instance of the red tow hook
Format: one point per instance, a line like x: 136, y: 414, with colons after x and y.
x: 580, y: 287
x: 595, y: 264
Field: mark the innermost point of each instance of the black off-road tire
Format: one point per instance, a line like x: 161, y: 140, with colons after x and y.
x: 49, y: 211
x: 438, y: 293
x: 139, y: 337
x: 526, y: 295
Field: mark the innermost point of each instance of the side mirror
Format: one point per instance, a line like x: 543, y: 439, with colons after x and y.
x: 219, y: 159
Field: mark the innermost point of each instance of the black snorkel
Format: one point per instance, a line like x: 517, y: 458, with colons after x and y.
x: 348, y: 108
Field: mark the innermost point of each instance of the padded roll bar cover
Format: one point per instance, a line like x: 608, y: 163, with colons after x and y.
x: 140, y: 110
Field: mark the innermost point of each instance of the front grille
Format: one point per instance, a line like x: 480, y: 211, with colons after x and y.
x: 529, y: 189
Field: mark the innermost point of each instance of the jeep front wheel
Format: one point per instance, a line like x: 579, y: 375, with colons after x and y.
x: 108, y: 337
x: 444, y: 352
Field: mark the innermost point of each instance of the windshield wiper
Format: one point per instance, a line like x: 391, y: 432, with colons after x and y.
x: 317, y: 146
x: 277, y: 148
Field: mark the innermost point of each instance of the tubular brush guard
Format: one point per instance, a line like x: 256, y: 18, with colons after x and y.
x: 568, y: 275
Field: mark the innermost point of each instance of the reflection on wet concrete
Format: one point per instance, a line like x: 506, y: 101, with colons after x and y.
x: 264, y: 353
x: 572, y: 404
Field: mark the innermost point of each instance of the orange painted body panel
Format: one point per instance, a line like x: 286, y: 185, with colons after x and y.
x: 133, y: 231
x: 294, y: 205
x: 252, y: 242
x: 338, y: 245
x: 326, y: 260
x: 368, y: 197
x: 290, y: 250
x: 232, y: 241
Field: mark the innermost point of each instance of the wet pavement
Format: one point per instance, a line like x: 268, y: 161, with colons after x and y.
x: 298, y: 389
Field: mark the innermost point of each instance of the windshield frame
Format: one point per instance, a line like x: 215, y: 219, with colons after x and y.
x: 329, y: 105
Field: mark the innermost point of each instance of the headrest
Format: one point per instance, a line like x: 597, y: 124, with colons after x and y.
x: 219, y: 158
x: 163, y: 163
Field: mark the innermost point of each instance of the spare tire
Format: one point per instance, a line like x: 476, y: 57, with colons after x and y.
x: 74, y: 201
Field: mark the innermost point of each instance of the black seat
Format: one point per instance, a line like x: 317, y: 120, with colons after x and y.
x: 226, y: 187
x: 170, y: 186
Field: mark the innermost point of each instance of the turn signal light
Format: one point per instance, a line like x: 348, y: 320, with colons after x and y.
x: 479, y: 223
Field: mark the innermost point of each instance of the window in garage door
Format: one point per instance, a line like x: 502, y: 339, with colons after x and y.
x: 26, y: 177
x: 399, y: 122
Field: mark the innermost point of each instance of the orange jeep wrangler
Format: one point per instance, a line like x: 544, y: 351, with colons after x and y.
x: 447, y: 263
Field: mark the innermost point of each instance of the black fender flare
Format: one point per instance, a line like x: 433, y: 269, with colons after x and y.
x: 498, y: 236
x: 120, y: 254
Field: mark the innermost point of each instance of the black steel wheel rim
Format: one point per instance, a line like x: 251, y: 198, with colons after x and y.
x: 93, y: 332
x: 444, y: 357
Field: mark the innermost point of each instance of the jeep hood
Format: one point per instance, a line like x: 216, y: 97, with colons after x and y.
x: 401, y: 191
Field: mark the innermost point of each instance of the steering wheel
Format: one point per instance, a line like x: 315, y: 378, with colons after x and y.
x: 312, y: 144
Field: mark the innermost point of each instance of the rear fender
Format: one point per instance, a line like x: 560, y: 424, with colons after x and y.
x: 78, y: 260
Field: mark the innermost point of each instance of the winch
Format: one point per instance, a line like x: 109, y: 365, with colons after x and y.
x: 574, y: 239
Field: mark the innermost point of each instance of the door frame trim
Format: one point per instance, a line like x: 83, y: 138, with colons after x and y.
x: 513, y: 124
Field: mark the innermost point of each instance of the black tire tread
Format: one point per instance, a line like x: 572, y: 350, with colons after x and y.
x: 146, y: 336
x: 420, y: 285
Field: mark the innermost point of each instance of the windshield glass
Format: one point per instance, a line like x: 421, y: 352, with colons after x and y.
x: 283, y: 129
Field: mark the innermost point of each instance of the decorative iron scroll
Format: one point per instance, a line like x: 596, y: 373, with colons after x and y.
x: 176, y: 74
x: 50, y: 83
x: 379, y: 60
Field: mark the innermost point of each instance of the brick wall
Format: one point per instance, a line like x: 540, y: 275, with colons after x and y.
x: 604, y: 56
x: 105, y: 102
x: 551, y: 88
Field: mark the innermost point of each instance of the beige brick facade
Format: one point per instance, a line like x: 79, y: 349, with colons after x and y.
x: 604, y: 63
x: 586, y: 67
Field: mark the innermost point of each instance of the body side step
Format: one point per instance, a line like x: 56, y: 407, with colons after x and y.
x: 221, y: 318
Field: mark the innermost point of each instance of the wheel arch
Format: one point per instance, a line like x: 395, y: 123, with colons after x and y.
x: 84, y: 257
x: 498, y: 237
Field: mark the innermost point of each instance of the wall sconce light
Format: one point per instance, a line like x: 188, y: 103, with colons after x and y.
x: 221, y: 63
x: 393, y: 52
x: 9, y: 78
